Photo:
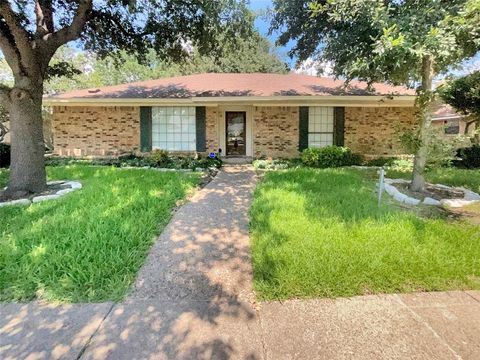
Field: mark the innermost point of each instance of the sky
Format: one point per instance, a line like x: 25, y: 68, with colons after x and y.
x: 263, y: 25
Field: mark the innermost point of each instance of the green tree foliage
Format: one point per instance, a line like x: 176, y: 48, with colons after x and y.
x: 400, y: 42
x: 31, y: 32
x: 254, y: 54
x: 463, y: 94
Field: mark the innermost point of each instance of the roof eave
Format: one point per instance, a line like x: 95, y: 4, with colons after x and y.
x: 326, y: 100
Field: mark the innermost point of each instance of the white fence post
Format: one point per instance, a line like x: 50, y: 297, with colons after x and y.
x: 381, y: 185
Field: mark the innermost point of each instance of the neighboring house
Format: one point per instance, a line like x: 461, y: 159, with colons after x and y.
x: 450, y: 123
x: 253, y: 115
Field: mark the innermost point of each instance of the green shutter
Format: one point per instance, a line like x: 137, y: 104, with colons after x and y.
x: 200, y: 125
x: 303, y: 128
x: 339, y: 126
x: 145, y: 128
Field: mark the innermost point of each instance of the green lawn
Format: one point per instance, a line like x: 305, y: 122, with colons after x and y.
x: 320, y: 233
x: 447, y: 176
x: 88, y: 245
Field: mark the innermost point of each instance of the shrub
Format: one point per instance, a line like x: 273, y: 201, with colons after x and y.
x: 4, y: 155
x: 159, y: 158
x: 277, y: 164
x: 330, y: 156
x: 469, y: 157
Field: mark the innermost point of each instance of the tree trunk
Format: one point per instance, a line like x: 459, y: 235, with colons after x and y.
x: 27, y: 170
x: 425, y: 118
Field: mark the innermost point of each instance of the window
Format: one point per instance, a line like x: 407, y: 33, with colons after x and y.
x: 320, y: 126
x: 452, y: 127
x: 173, y: 128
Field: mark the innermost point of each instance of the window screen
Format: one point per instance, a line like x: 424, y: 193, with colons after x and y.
x: 452, y: 127
x: 320, y: 126
x: 173, y: 128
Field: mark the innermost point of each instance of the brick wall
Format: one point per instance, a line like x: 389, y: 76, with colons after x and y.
x: 96, y: 131
x: 212, y: 131
x: 275, y: 131
x: 375, y: 131
x: 103, y: 131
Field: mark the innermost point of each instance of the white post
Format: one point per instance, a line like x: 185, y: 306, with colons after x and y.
x: 381, y: 185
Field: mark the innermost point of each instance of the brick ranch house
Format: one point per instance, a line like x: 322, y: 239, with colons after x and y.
x: 251, y: 115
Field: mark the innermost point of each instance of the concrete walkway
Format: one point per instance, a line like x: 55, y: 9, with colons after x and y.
x: 193, y: 299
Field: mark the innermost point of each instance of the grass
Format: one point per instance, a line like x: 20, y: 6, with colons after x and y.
x: 88, y: 245
x: 3, y: 178
x: 319, y: 233
x: 469, y: 179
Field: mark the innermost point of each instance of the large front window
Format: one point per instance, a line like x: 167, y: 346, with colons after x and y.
x: 320, y: 126
x: 173, y: 128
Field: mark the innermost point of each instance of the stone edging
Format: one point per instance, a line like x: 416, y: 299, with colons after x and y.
x: 74, y: 185
x: 469, y: 197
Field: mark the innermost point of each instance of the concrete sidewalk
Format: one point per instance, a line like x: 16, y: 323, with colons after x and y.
x: 193, y: 299
x: 421, y: 326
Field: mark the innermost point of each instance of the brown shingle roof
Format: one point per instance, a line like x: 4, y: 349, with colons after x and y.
x: 218, y: 85
x: 442, y: 111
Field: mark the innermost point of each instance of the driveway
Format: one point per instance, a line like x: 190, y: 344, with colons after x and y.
x: 193, y: 299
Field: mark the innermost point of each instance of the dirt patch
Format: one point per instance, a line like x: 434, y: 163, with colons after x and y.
x: 469, y: 213
x: 431, y: 191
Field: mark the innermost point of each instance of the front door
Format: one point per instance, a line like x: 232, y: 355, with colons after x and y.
x: 236, y: 140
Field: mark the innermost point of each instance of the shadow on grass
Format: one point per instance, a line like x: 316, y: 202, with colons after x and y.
x: 192, y: 299
x: 321, y: 233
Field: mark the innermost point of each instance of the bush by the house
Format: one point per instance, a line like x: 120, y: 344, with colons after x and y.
x: 469, y: 157
x: 275, y: 164
x: 330, y: 156
x: 157, y: 159
x: 4, y: 155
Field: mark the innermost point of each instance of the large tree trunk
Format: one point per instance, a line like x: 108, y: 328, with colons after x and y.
x: 425, y: 118
x: 27, y: 170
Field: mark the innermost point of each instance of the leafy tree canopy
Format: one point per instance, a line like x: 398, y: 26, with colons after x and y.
x: 254, y: 54
x: 463, y: 94
x: 31, y: 31
x: 380, y: 40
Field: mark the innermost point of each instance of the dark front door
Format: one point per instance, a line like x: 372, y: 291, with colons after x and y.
x: 236, y: 122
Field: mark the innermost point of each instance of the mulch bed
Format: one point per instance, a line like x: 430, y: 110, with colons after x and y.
x: 432, y: 191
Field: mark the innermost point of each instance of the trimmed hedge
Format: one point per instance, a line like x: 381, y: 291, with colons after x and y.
x: 329, y: 157
x: 4, y: 155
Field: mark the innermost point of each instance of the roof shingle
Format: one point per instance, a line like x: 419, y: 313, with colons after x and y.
x: 222, y: 84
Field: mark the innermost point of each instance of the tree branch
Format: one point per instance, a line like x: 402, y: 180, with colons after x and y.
x: 8, y: 49
x: 20, y: 35
x: 44, y: 15
x: 74, y: 30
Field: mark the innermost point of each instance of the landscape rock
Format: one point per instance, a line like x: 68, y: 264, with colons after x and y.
x: 64, y: 191
x: 390, y: 189
x: 74, y: 184
x: 41, y: 198
x: 16, y: 202
x: 55, y: 182
x: 411, y: 201
x: 431, y: 201
x: 456, y: 203
x: 470, y: 195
